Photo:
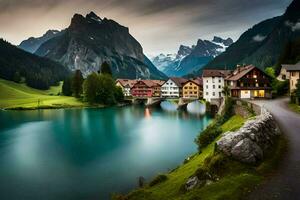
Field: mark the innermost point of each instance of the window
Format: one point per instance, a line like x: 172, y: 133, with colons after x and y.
x: 219, y: 86
x: 207, y: 93
x: 190, y: 88
x: 214, y: 87
x: 206, y: 86
x: 195, y: 88
x: 191, y: 84
x: 206, y: 81
x: 214, y: 94
x: 220, y: 81
x: 195, y: 92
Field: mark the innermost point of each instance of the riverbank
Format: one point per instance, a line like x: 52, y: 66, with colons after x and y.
x: 229, y: 179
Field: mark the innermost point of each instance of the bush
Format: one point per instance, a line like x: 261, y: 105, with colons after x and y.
x: 158, y: 179
x: 214, y: 130
x: 208, y: 135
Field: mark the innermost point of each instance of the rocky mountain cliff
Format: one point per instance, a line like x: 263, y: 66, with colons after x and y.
x: 189, y: 59
x: 90, y: 40
x: 262, y: 44
x: 32, y: 44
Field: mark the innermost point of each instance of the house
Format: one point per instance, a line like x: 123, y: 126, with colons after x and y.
x: 285, y: 71
x: 247, y: 82
x: 294, y: 71
x: 213, y: 83
x: 157, y: 88
x: 126, y: 85
x: 145, y: 89
x: 173, y: 87
x: 192, y: 89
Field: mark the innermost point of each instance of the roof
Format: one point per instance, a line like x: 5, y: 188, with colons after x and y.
x: 215, y: 73
x: 295, y: 67
x: 197, y: 81
x: 239, y: 72
x: 149, y: 83
x: 126, y: 82
x: 179, y: 81
x: 159, y: 82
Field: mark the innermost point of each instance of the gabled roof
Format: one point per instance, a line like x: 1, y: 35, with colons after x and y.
x: 215, y: 73
x: 149, y: 83
x: 295, y: 67
x: 159, y: 82
x: 196, y: 81
x: 179, y: 81
x: 126, y: 82
x: 239, y: 72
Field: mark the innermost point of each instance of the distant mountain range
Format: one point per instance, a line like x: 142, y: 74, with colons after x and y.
x: 190, y: 59
x: 32, y: 44
x: 263, y: 44
x: 21, y: 66
x: 89, y: 41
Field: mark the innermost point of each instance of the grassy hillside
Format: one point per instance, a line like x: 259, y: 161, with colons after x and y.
x: 235, y: 179
x: 14, y: 95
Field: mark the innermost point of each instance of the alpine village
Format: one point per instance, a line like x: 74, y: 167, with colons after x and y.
x: 86, y: 112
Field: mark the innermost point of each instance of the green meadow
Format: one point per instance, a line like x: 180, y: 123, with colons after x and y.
x: 20, y: 96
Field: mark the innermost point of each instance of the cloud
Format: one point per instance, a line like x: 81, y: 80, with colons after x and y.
x: 259, y: 38
x: 293, y: 26
x: 160, y: 26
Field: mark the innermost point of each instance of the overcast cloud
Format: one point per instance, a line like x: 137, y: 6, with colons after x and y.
x: 160, y: 26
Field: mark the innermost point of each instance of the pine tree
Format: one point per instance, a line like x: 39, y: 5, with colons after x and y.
x: 67, y: 87
x: 77, y: 83
x: 105, y: 68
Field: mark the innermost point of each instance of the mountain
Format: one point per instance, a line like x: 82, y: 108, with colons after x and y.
x: 189, y: 59
x: 90, y: 40
x: 37, y: 72
x: 32, y: 44
x: 262, y: 44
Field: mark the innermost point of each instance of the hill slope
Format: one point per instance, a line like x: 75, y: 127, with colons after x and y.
x: 14, y: 95
x: 90, y: 40
x: 38, y: 72
x: 262, y: 44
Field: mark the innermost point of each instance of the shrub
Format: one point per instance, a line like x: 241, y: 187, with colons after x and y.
x: 202, y: 173
x: 158, y: 179
x: 208, y: 135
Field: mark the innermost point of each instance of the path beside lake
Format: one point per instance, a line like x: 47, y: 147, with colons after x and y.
x: 285, y: 183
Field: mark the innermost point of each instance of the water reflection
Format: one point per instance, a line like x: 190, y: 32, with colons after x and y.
x: 169, y: 106
x: 196, y: 107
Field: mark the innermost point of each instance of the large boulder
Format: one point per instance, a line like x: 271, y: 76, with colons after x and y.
x: 250, y: 142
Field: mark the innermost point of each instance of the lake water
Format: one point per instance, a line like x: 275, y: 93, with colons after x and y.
x: 90, y: 153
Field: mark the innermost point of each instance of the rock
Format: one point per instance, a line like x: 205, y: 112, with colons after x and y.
x: 192, y: 183
x: 247, y: 151
x: 250, y: 142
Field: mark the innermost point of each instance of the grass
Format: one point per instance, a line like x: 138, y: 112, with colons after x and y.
x: 236, y: 179
x: 294, y: 107
x: 233, y: 124
x: 20, y: 96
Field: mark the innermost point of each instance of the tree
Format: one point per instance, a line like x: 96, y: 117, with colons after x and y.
x: 106, y: 94
x: 270, y: 71
x: 67, y: 86
x: 119, y: 95
x: 105, y: 68
x: 91, y: 87
x: 226, y: 91
x: 77, y: 83
x: 17, y: 77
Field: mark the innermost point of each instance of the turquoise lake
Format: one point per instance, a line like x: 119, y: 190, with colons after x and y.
x: 90, y: 153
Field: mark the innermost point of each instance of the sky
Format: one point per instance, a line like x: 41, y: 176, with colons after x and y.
x: 159, y: 25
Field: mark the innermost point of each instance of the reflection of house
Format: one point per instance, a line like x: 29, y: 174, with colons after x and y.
x: 126, y: 85
x: 146, y: 88
x: 294, y: 71
x: 192, y: 89
x: 173, y: 87
x: 213, y: 83
x: 249, y: 82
